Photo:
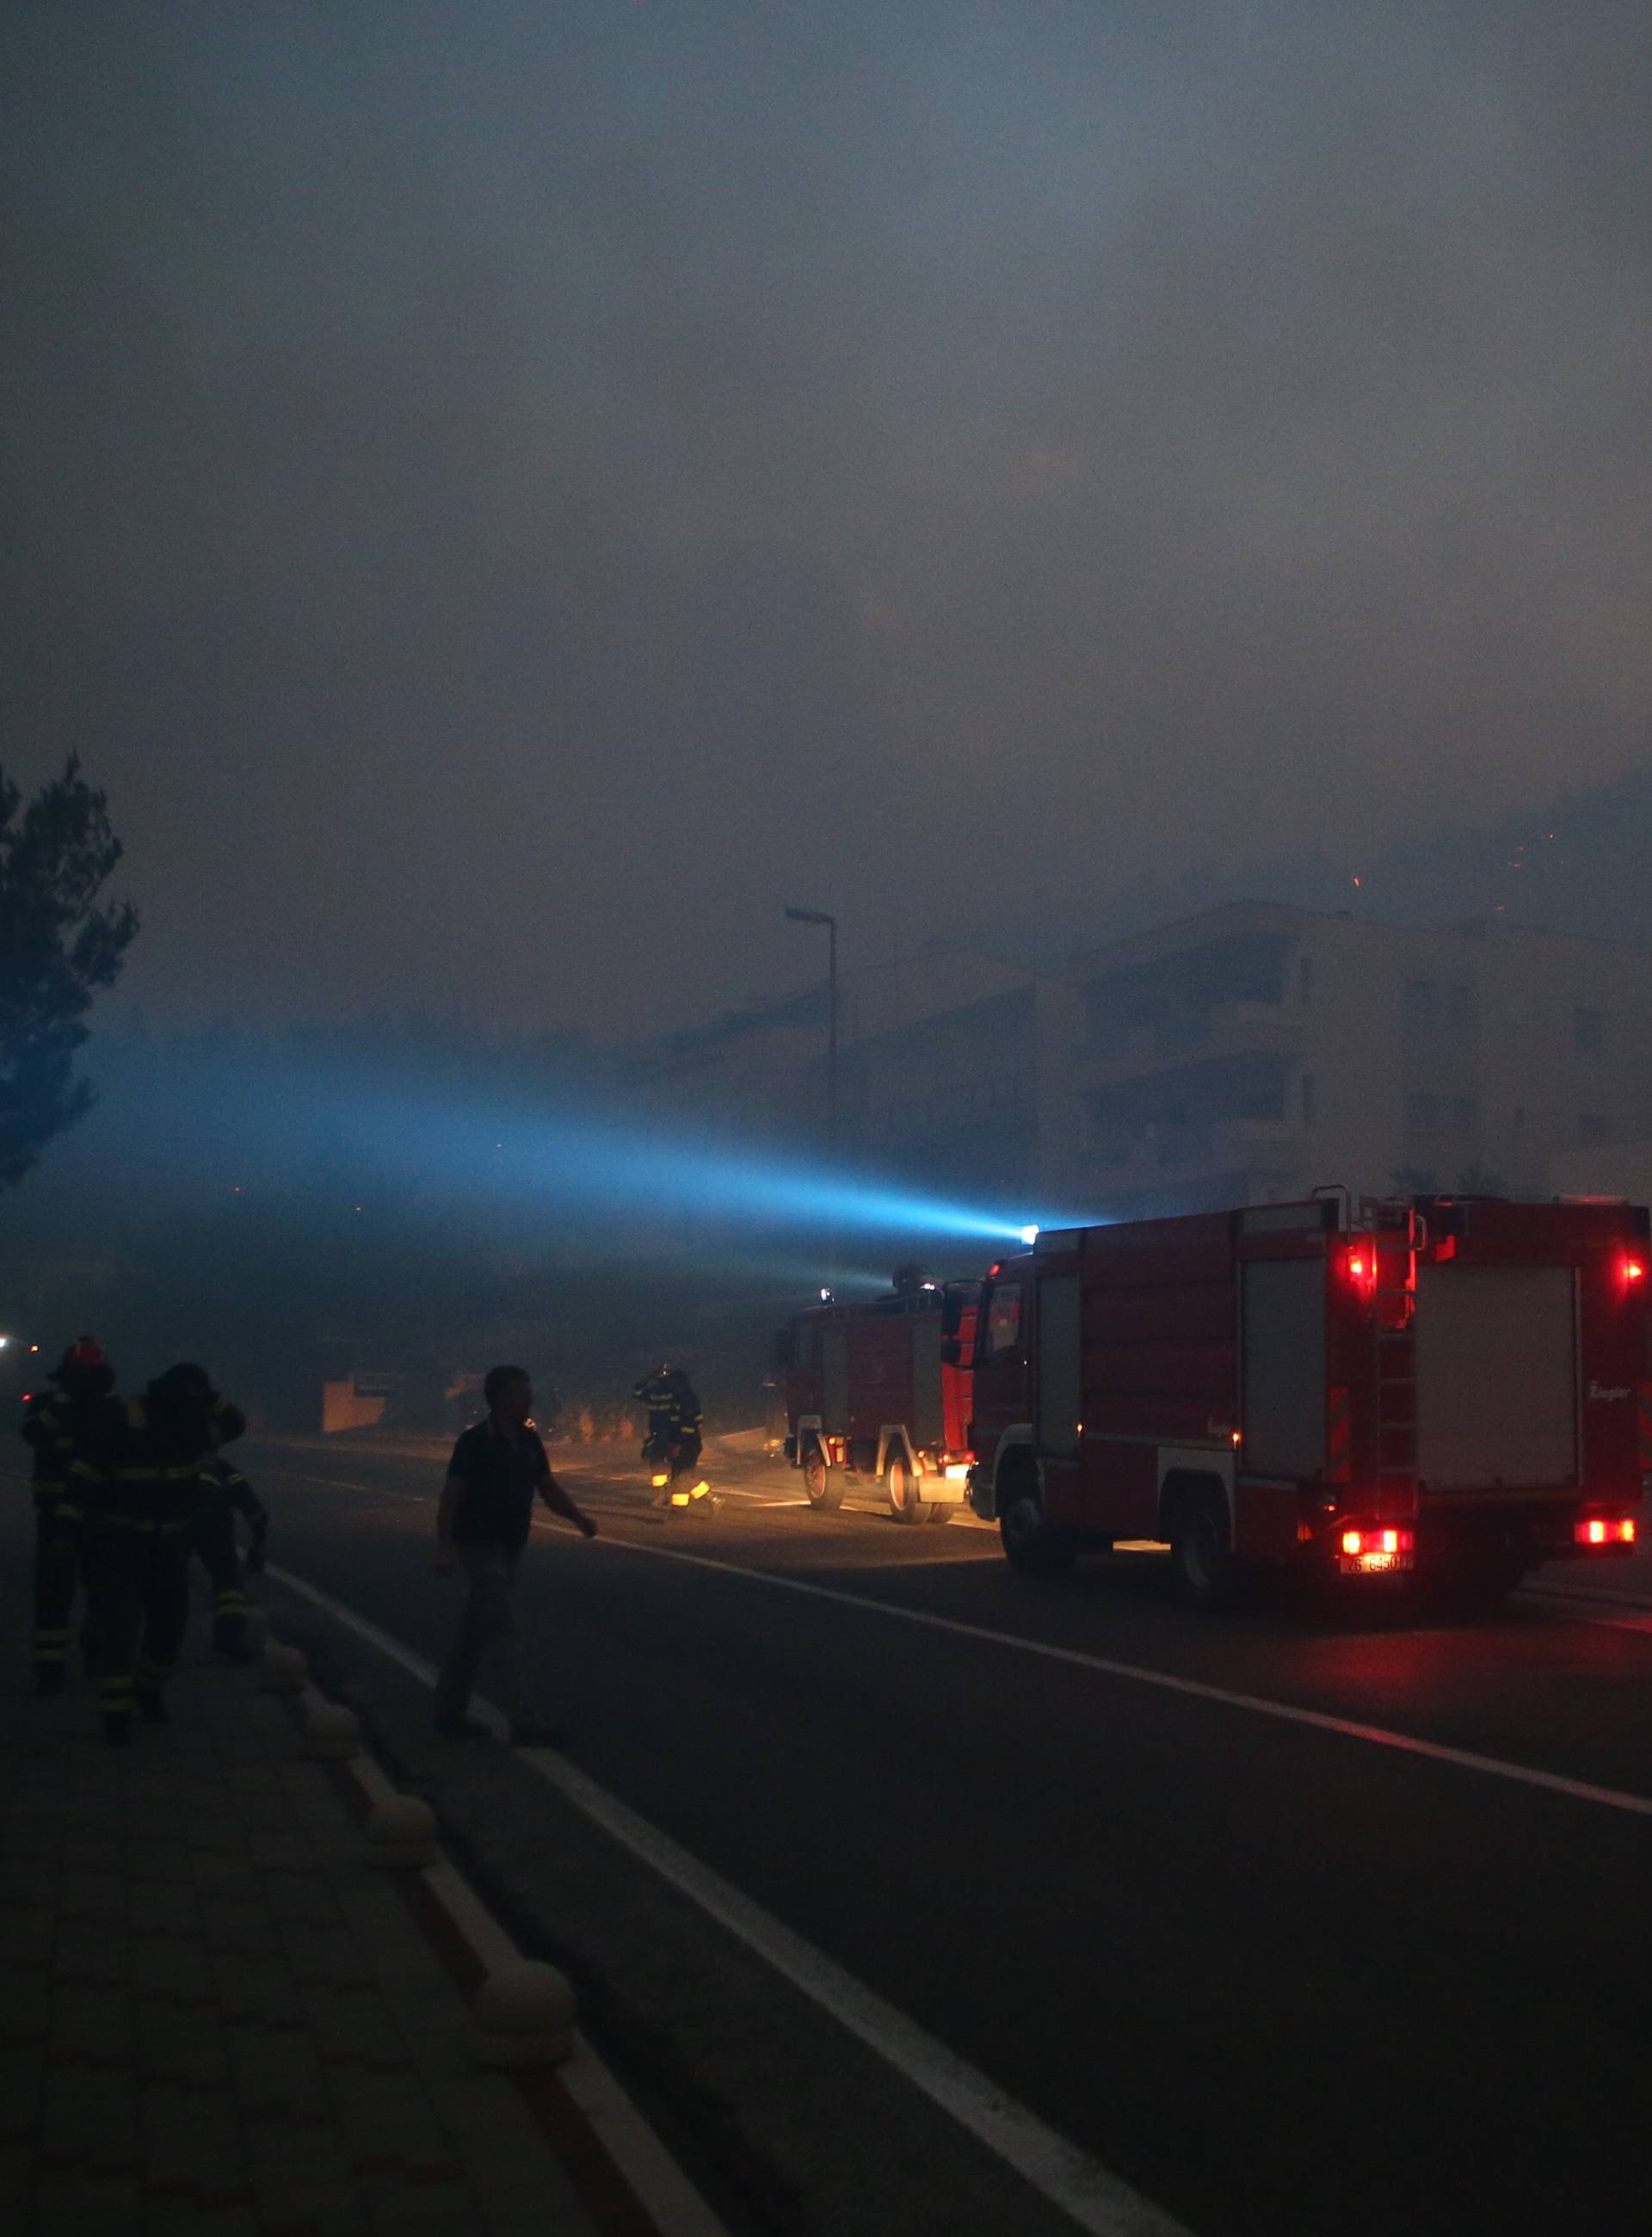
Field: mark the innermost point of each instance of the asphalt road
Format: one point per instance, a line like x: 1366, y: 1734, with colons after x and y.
x: 1282, y: 1977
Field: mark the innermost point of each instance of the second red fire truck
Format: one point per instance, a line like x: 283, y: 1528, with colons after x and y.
x: 877, y: 1395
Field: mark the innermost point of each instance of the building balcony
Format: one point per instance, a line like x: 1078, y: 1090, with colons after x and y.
x: 1189, y: 1038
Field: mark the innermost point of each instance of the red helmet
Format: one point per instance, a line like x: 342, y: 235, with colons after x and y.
x: 86, y: 1351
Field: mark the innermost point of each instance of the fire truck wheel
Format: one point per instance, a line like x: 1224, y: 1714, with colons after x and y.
x: 1030, y: 1543
x: 1201, y: 1547
x: 900, y: 1488
x: 824, y: 1495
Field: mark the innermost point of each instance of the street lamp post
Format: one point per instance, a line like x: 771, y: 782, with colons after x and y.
x: 820, y: 916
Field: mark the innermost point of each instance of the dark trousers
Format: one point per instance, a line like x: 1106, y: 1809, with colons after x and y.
x: 137, y: 1597
x: 56, y: 1577
x: 213, y: 1533
x: 489, y: 1622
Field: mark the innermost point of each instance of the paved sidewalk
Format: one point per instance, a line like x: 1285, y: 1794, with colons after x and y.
x: 216, y: 2019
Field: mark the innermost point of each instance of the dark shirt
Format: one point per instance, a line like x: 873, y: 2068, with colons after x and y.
x: 500, y: 1473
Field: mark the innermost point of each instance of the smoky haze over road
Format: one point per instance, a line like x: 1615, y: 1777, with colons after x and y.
x: 1031, y: 441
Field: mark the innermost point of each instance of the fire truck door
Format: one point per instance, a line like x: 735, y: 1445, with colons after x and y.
x: 1058, y: 1382
x: 1496, y: 1376
x: 834, y: 1380
x: 1284, y: 1337
x: 928, y: 1427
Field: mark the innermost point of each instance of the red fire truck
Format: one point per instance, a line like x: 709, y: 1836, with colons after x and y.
x: 1456, y: 1386
x: 871, y: 1399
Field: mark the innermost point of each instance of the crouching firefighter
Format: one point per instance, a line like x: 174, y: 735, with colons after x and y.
x: 55, y: 1419
x: 138, y: 1476
x: 673, y: 1443
x: 224, y: 1492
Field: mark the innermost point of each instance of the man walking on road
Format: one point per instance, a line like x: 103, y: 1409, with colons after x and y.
x: 498, y: 1467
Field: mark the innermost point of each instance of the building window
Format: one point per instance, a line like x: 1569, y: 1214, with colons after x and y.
x: 1459, y: 1006
x: 1519, y: 1118
x: 1588, y: 1031
x: 1310, y: 1099
x: 1422, y: 1114
x: 1422, y: 1001
x: 1304, y: 982
x: 1593, y: 1131
x: 1465, y: 1114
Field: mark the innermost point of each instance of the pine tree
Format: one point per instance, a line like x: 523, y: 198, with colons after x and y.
x: 58, y: 947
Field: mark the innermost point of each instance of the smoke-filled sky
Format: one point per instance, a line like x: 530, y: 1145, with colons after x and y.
x: 506, y: 495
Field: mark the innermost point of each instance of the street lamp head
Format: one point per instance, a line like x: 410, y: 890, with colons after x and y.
x: 809, y: 916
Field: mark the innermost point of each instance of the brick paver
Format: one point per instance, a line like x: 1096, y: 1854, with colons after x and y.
x: 216, y: 2020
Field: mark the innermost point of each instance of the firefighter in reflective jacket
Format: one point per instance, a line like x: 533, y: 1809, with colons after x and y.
x: 673, y: 1443
x: 136, y: 1481
x: 224, y: 1493
x: 55, y: 1417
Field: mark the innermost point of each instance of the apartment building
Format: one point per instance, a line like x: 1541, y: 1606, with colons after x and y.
x: 1254, y: 1051
x: 764, y: 1069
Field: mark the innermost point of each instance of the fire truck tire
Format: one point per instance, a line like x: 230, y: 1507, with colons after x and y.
x: 824, y: 1493
x: 1029, y: 1544
x: 1201, y: 1545
x: 900, y: 1488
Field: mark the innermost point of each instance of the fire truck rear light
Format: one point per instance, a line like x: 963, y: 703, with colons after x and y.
x: 1600, y: 1531
x: 1383, y: 1549
x: 956, y: 1471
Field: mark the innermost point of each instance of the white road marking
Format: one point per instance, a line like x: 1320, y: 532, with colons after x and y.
x: 1584, y: 1608
x: 1096, y: 2200
x: 1574, y: 1598
x: 337, y: 1483
x: 1576, y: 1790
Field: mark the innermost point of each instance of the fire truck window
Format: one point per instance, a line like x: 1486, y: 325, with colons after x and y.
x: 1004, y: 1319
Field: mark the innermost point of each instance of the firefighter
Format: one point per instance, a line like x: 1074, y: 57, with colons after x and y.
x: 224, y: 1493
x: 674, y: 1444
x: 55, y: 1418
x: 135, y: 1481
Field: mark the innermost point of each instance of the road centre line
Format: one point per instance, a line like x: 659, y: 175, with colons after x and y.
x: 1576, y: 1790
x: 1096, y: 2200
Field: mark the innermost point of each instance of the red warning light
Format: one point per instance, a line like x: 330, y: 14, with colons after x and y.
x: 1361, y: 1266
x: 1634, y: 1271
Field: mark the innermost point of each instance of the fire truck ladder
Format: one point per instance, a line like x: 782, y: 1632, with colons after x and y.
x: 1395, y: 1302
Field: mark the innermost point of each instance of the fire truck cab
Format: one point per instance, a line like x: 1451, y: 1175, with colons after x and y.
x: 1452, y: 1386
x: 877, y: 1392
